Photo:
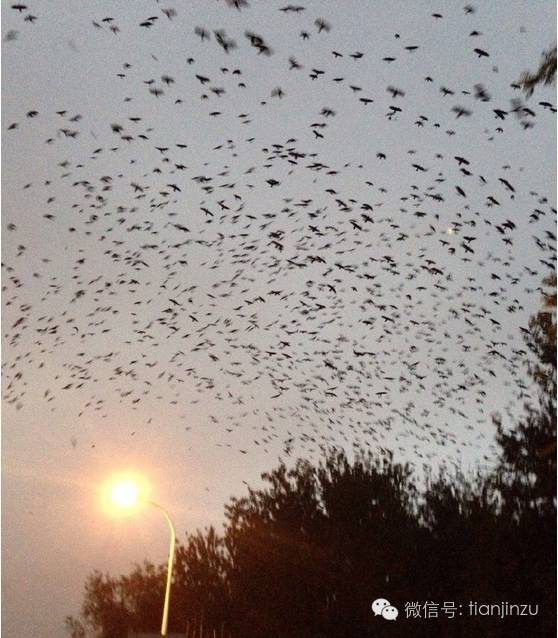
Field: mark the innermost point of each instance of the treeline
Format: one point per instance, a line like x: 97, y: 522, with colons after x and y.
x: 306, y: 555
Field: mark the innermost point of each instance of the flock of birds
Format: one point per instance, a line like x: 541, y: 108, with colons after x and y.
x: 294, y: 297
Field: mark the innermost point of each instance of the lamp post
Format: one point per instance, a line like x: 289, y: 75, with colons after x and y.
x: 165, y: 621
x: 126, y: 494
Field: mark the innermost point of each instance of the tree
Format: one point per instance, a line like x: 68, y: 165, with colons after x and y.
x: 545, y: 74
x: 528, y: 451
x: 74, y: 627
x: 200, y: 588
x: 114, y: 606
x: 526, y: 475
x: 304, y: 555
x: 104, y: 606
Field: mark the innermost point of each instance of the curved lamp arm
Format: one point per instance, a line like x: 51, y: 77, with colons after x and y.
x: 165, y: 620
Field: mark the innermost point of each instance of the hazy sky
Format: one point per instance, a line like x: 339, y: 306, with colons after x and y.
x: 134, y: 336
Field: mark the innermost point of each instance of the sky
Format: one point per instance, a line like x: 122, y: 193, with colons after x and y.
x: 259, y: 273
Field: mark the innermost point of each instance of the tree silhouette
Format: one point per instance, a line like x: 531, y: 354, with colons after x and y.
x: 75, y: 627
x: 304, y: 555
x: 528, y: 462
x: 545, y: 74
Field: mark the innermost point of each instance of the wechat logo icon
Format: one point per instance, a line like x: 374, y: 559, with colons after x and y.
x: 382, y: 607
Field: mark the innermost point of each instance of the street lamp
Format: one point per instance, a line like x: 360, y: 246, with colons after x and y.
x: 126, y: 494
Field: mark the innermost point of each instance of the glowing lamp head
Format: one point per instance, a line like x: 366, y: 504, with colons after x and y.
x: 125, y: 494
